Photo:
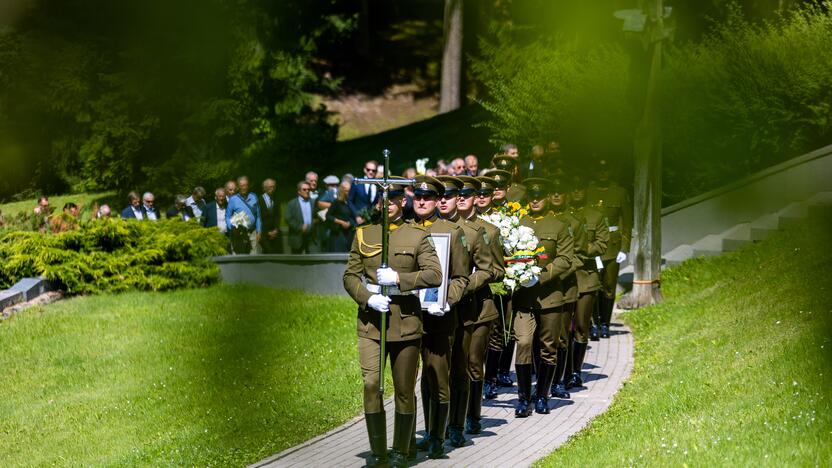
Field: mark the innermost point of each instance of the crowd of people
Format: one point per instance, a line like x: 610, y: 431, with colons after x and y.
x: 467, y: 342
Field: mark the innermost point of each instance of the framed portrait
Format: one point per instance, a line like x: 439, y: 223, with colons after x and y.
x: 439, y: 295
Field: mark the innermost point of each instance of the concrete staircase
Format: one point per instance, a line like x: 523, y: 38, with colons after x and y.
x: 746, y: 232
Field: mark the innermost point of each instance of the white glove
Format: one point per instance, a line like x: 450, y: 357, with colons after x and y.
x: 437, y: 310
x: 599, y: 263
x: 620, y: 257
x: 530, y: 282
x: 387, y: 277
x: 379, y: 303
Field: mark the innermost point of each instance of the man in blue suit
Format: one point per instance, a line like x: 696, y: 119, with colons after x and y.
x: 299, y: 218
x: 214, y: 214
x: 362, y: 197
x: 134, y: 208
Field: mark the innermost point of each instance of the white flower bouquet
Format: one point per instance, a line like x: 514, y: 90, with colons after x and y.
x: 240, y: 220
x: 520, y: 245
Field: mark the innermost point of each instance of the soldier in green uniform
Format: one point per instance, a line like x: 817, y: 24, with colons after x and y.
x: 413, y: 265
x: 501, y: 347
x: 440, y: 321
x: 595, y: 243
x: 509, y: 164
x: 483, y: 297
x: 503, y: 181
x: 560, y: 210
x: 614, y: 202
x: 479, y: 277
x: 538, y: 304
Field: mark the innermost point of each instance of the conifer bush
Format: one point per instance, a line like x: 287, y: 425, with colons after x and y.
x: 112, y: 255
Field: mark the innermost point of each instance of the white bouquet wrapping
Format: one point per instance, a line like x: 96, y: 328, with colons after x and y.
x: 240, y: 220
x: 520, y: 245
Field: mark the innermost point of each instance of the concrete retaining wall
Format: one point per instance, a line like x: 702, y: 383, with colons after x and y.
x: 317, y: 273
x: 748, y: 199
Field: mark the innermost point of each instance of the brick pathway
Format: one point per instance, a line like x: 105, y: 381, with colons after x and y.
x: 505, y: 440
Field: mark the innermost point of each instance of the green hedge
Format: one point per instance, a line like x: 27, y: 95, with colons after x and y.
x: 112, y: 255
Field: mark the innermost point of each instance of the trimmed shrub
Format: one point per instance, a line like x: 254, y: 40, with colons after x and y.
x: 112, y: 255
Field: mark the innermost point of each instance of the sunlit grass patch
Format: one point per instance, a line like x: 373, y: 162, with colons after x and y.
x: 732, y: 369
x: 220, y: 376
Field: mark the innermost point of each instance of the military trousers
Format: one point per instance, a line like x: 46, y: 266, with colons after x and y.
x: 583, y: 315
x: 547, y: 324
x: 497, y: 340
x: 436, y: 365
x: 404, y: 361
x: 480, y: 337
x: 567, y: 324
x: 609, y: 278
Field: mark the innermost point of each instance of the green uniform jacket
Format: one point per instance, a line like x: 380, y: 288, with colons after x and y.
x: 458, y: 272
x: 484, y: 297
x: 577, y: 230
x: 516, y: 192
x: 413, y: 257
x: 480, y: 267
x: 597, y: 237
x: 614, y: 202
x: 556, y: 263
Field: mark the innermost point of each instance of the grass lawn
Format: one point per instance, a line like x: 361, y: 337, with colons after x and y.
x: 84, y: 200
x: 219, y: 376
x: 733, y: 369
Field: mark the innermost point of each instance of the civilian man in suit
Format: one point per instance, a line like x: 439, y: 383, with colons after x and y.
x: 149, y: 207
x: 134, y: 209
x: 363, y: 197
x: 246, y: 202
x: 270, y: 240
x: 299, y: 212
x: 180, y: 209
x: 197, y: 201
x: 214, y: 214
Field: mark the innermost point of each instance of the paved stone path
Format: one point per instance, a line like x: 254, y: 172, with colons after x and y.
x: 505, y: 440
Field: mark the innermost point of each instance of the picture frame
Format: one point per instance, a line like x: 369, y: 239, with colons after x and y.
x: 439, y: 295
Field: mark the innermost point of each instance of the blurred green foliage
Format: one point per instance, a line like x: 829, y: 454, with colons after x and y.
x: 745, y: 96
x: 100, y: 95
x: 112, y: 255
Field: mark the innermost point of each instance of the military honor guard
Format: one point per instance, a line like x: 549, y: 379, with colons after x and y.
x: 413, y: 265
x: 484, y: 305
x: 613, y: 201
x: 480, y: 275
x: 538, y: 304
x: 501, y: 344
x: 558, y: 192
x: 441, y: 320
x: 516, y: 190
x: 595, y: 238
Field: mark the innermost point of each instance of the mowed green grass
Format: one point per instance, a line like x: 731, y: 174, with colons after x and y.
x: 220, y: 376
x: 733, y: 369
x: 84, y: 200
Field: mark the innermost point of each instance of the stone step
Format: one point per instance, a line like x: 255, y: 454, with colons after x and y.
x: 709, y: 245
x: 820, y: 205
x: 793, y: 214
x: 736, y: 237
x: 678, y: 255
x: 764, y: 226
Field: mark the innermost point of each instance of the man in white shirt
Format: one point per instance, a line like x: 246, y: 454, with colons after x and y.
x: 149, y: 207
x: 197, y: 201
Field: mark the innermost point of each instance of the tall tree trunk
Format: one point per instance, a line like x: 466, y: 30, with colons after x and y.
x: 450, y: 92
x: 648, y: 176
x: 363, y: 36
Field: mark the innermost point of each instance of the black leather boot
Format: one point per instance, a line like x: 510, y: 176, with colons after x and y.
x: 377, y: 432
x: 402, y: 431
x: 472, y: 419
x: 578, y: 353
x: 492, y: 363
x: 606, y: 315
x: 456, y: 422
x: 427, y: 408
x: 544, y: 380
x: 524, y: 390
x: 504, y: 374
x: 558, y: 389
x: 594, y: 334
x: 439, y: 418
